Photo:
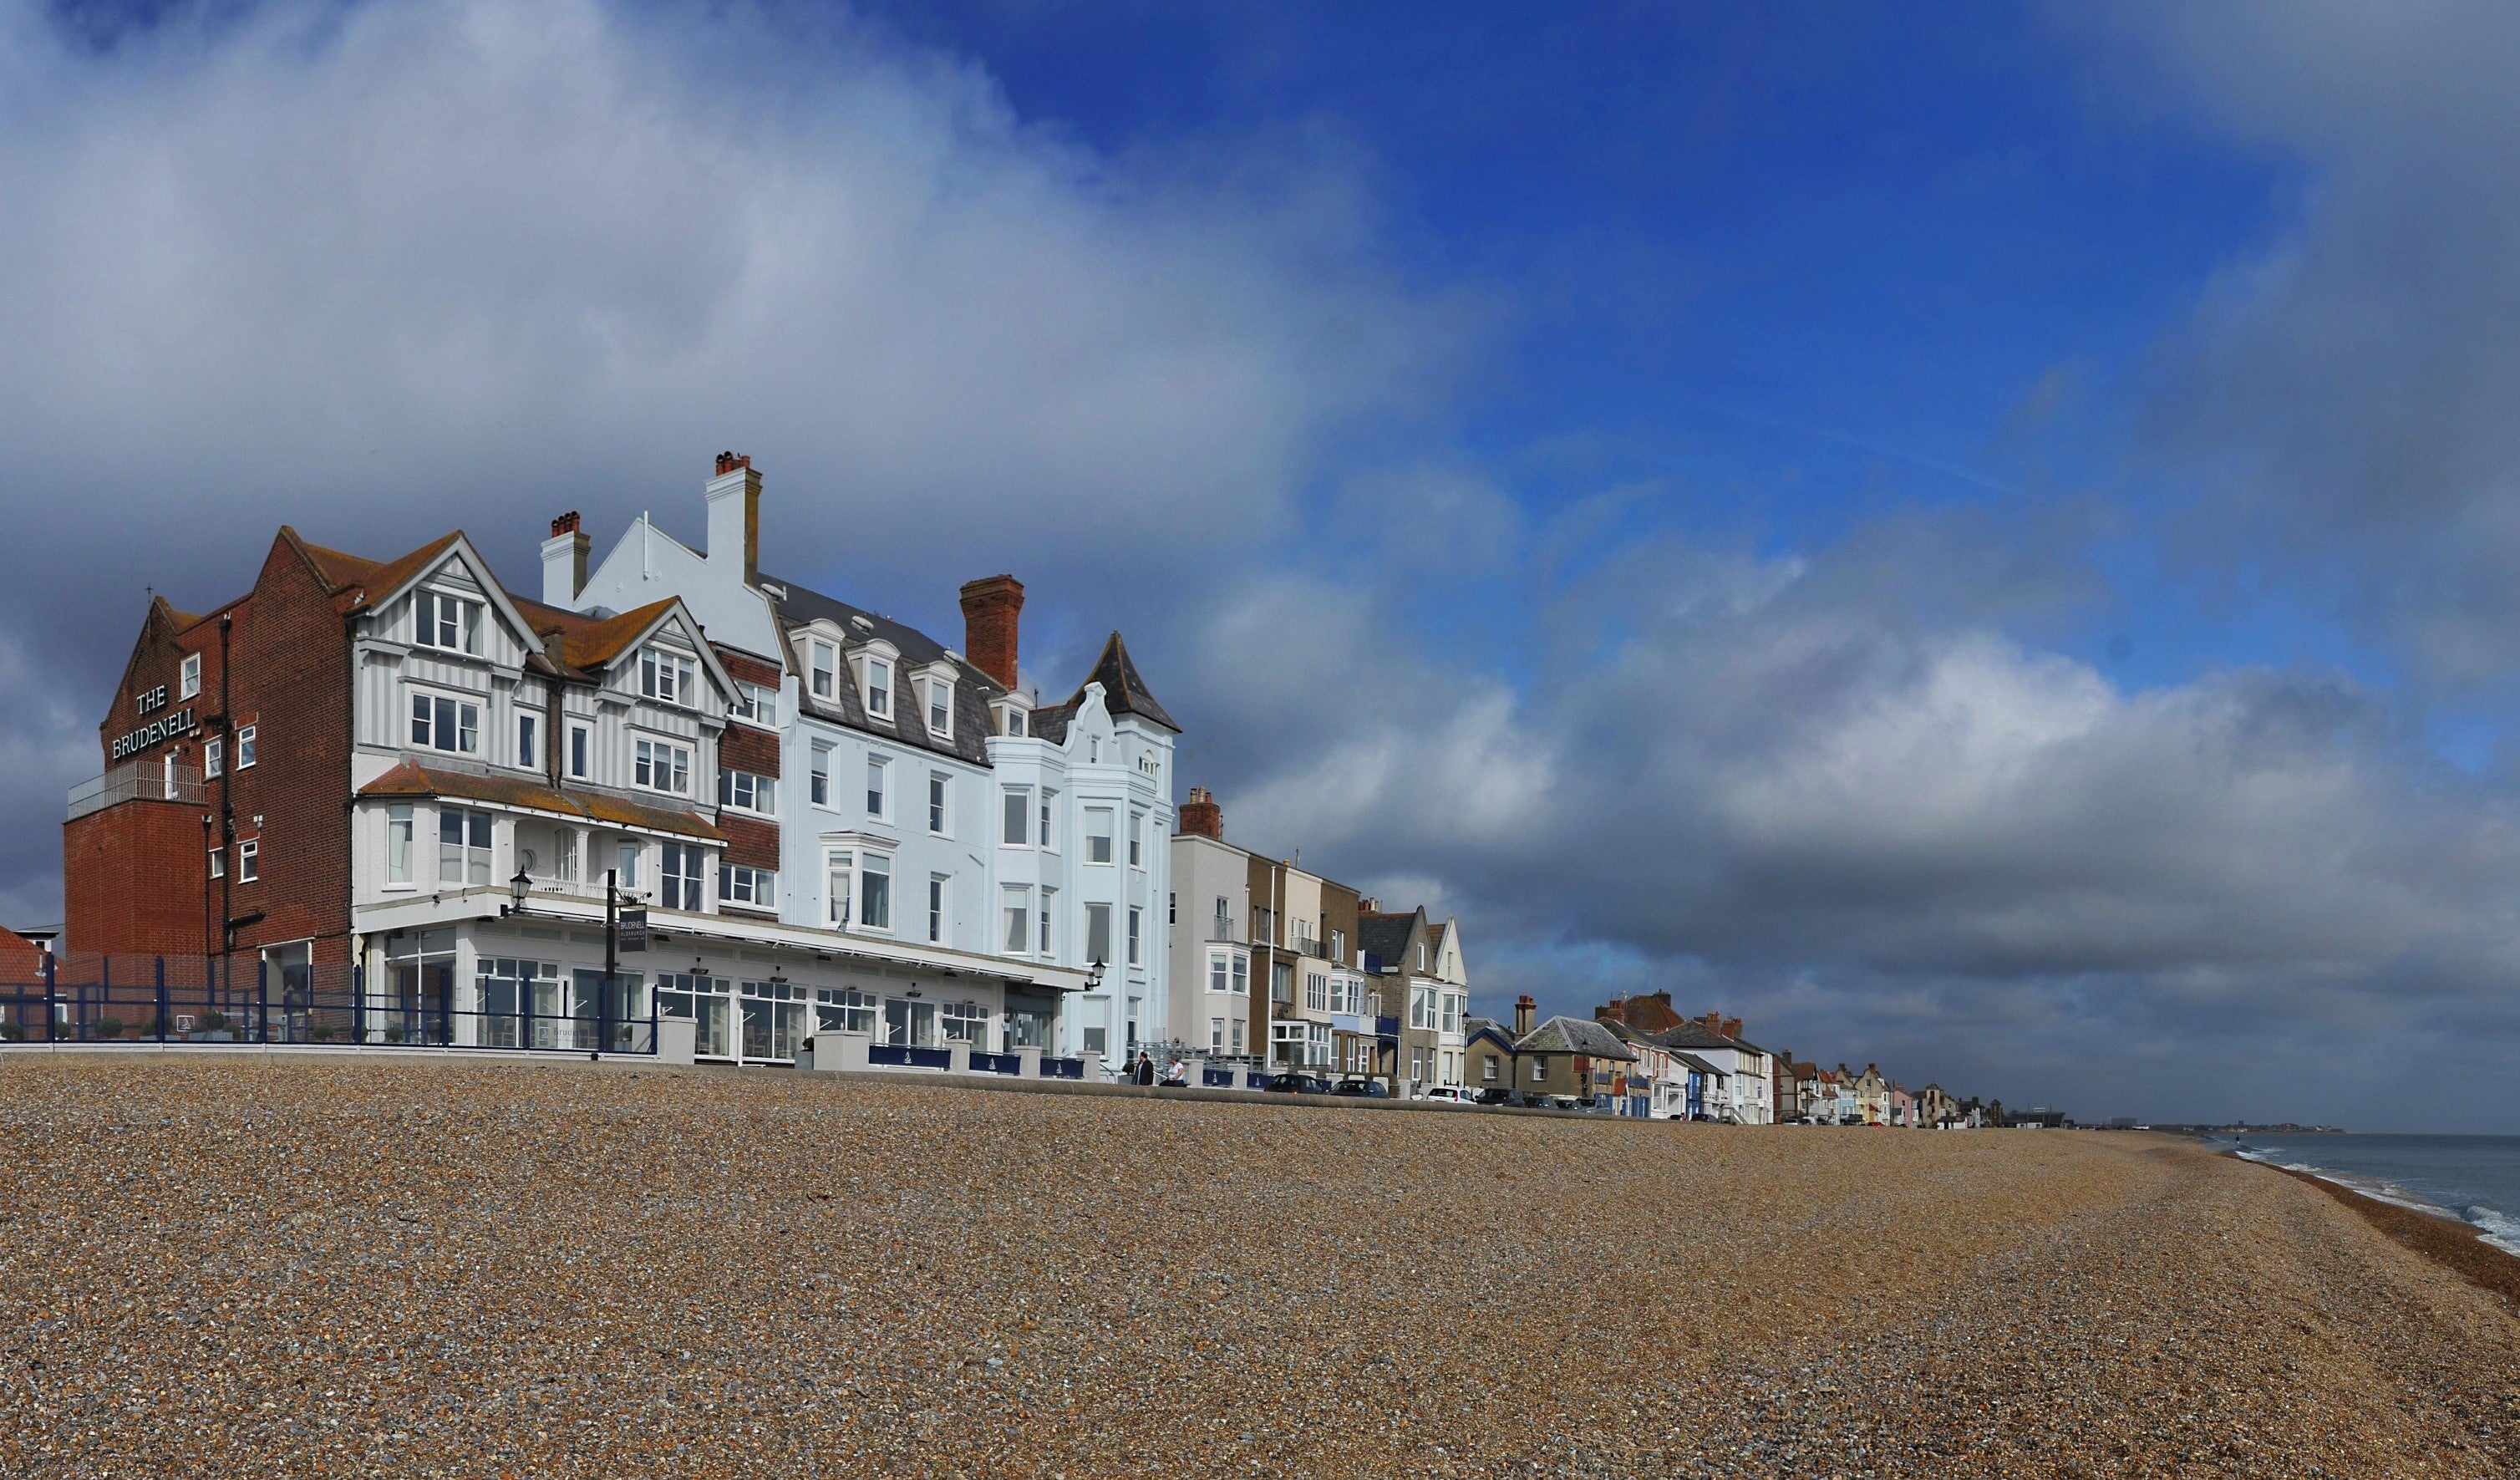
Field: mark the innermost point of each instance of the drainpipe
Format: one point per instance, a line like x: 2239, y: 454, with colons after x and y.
x: 227, y: 816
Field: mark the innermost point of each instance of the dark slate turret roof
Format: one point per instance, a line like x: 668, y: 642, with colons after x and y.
x: 1123, y: 691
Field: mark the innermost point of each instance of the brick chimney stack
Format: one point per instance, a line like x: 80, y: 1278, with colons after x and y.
x: 990, y: 606
x: 1202, y: 816
x: 735, y: 513
x: 563, y: 563
x: 1525, y: 1014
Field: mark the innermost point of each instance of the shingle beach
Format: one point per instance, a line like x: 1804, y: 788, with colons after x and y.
x: 232, y: 1266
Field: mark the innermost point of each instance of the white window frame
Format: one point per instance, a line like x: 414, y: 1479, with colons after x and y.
x: 429, y: 622
x: 650, y: 758
x: 1015, y: 920
x: 1137, y: 840
x: 1048, y: 841
x: 464, y: 713
x: 581, y: 751
x: 872, y: 866
x: 940, y: 904
x: 471, y: 858
x: 935, y: 696
x: 1137, y: 935
x: 1098, y: 846
x: 941, y: 804
x: 402, y: 836
x: 878, y: 792
x: 877, y: 695
x: 529, y: 748
x: 1014, y: 806
x: 743, y: 885
x: 213, y: 759
x: 249, y: 860
x: 684, y: 887
x: 188, y: 675
x: 818, y: 786
x: 748, y: 792
x: 670, y: 676
x: 1047, y: 917
x: 755, y: 704
x: 245, y: 747
x: 823, y: 668
x: 1098, y: 911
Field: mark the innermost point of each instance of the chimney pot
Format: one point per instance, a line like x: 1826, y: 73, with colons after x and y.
x: 735, y: 513
x: 1526, y: 1010
x: 566, y: 523
x: 991, y: 609
x: 565, y: 562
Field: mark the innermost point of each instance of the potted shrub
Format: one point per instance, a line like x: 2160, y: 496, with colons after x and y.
x: 213, y: 1027
x: 109, y: 1026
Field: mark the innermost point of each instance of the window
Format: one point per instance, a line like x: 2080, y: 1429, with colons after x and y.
x: 737, y: 884
x: 936, y: 884
x: 1018, y: 818
x: 1216, y: 1034
x: 436, y: 724
x: 1338, y: 947
x: 218, y: 863
x: 1172, y: 907
x: 1137, y: 839
x: 826, y: 665
x: 843, y: 1010
x: 244, y: 748
x: 1242, y: 976
x: 1216, y: 969
x: 1538, y: 1067
x: 398, y: 839
x: 529, y: 748
x: 581, y: 747
x: 1018, y: 910
x: 1137, y: 931
x: 661, y: 767
x: 1097, y: 933
x: 1316, y: 992
x: 213, y: 756
x: 625, y: 863
x: 1237, y: 1036
x: 1282, y: 981
x: 756, y: 702
x: 1456, y: 1005
x: 1014, y: 725
x: 840, y: 889
x: 446, y: 621
x: 1422, y: 1008
x: 964, y: 1022
x: 875, y: 892
x: 1098, y: 835
x: 680, y: 875
x: 878, y: 687
x: 822, y: 775
x: 1049, y: 909
x: 877, y: 804
x: 463, y: 846
x: 1097, y: 1036
x: 1487, y: 1070
x: 1048, y: 841
x: 940, y: 787
x: 1421, y: 956
x: 940, y: 708
x: 747, y: 792
x: 564, y: 854
x: 188, y: 681
x: 670, y: 678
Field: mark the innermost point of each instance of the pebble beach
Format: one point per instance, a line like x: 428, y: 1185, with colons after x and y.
x: 240, y: 1265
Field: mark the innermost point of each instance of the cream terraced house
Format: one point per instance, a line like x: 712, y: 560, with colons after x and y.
x: 972, y: 865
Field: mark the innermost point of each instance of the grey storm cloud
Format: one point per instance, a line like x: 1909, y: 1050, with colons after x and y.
x: 2347, y: 396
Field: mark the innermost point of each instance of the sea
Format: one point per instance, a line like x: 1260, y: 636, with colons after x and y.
x: 2475, y: 1179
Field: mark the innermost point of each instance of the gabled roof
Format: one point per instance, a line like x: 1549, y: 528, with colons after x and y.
x: 1485, y: 1027
x: 1123, y: 691
x: 1574, y: 1035
x: 1384, y: 935
x: 411, y: 778
x: 1699, y: 1064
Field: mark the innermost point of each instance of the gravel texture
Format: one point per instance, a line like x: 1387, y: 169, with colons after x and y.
x: 234, y: 1266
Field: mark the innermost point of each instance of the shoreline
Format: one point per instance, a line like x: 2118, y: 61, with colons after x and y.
x: 2450, y: 1242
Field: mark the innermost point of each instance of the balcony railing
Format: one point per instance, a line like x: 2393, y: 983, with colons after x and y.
x: 149, y: 778
x: 1221, y: 928
x: 1305, y: 945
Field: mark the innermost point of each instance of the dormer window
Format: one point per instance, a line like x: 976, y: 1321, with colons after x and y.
x: 447, y: 622
x: 670, y: 678
x: 1014, y: 723
x: 878, y: 687
x: 936, y: 696
x: 826, y: 669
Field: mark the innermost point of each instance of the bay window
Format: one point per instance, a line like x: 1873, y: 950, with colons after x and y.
x: 1097, y: 933
x: 875, y: 891
x: 398, y: 841
x: 840, y: 889
x: 1016, y: 909
x: 463, y: 846
x: 1098, y: 835
x: 679, y: 876
x: 1017, y: 831
x: 1137, y: 930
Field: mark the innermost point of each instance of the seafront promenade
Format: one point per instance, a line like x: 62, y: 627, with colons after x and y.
x: 221, y: 1266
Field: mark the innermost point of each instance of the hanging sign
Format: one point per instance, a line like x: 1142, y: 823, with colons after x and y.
x: 630, y: 928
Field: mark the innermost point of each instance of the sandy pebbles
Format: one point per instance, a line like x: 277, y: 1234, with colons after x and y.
x: 229, y: 1267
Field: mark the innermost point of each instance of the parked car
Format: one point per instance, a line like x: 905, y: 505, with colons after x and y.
x: 1298, y: 1084
x: 1362, y: 1087
x: 1494, y: 1095
x: 1450, y: 1094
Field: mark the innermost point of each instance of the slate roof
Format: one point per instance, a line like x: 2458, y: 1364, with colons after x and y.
x: 1472, y: 1027
x: 1574, y: 1035
x: 1699, y: 1064
x: 1697, y: 1035
x: 907, y: 725
x: 1384, y: 936
x: 411, y: 778
x: 1123, y: 691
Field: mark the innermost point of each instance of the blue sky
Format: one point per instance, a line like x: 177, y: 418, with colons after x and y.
x: 1972, y: 537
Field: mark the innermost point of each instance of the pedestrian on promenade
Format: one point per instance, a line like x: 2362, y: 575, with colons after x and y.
x: 1146, y: 1074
